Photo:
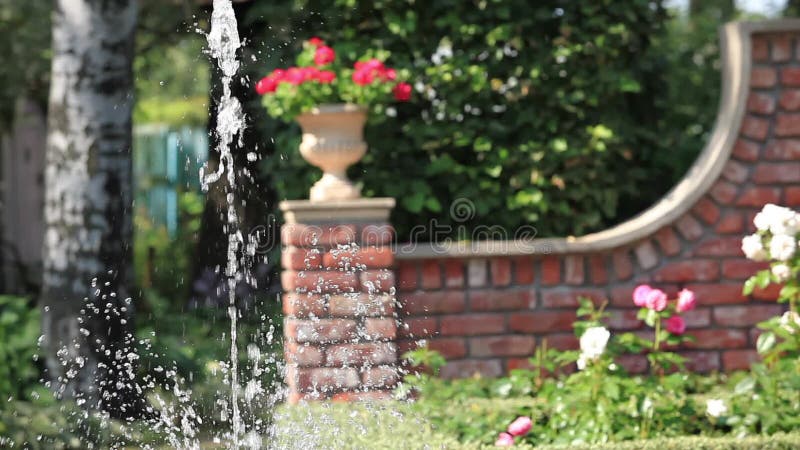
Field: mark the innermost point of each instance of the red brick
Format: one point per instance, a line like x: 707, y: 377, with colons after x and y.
x: 297, y: 258
x: 497, y: 346
x: 788, y: 125
x: 598, y: 268
x: 370, y: 353
x: 407, y: 276
x: 668, y: 241
x: 737, y: 316
x: 781, y: 48
x: 739, y: 359
x: 790, y: 76
x: 684, y: 271
x: 741, y: 269
x: 702, y: 362
x: 758, y: 196
x: 735, y: 172
x: 361, y: 305
x: 706, y: 210
x: 783, y: 149
x: 303, y: 305
x: 325, y: 379
x: 568, y: 297
x: 551, y: 270
x: 760, y: 103
x: 763, y: 77
x: 634, y: 364
x: 622, y: 296
x: 541, y: 321
x: 697, y: 318
x: 790, y: 99
x: 320, y: 330
x: 724, y: 293
x: 356, y: 258
x: 450, y: 348
x: 378, y: 329
x: 321, y: 282
x: 500, y: 269
x: 302, y: 235
x: 441, y: 302
x: 713, y: 339
x: 377, y: 234
x: 621, y: 259
x: 745, y: 150
x: 689, y: 228
x: 431, y: 274
x: 723, y: 192
x: 470, y: 367
x: 792, y: 196
x: 769, y: 293
x: 624, y: 319
x: 476, y: 272
x: 772, y: 173
x: 646, y: 255
x: 518, y: 364
x: 731, y: 222
x: 472, y: 324
x: 376, y: 281
x: 560, y: 341
x: 755, y: 128
x: 719, y: 246
x: 363, y: 396
x: 760, y: 47
x: 453, y: 273
x: 523, y: 270
x: 303, y: 355
x: 574, y: 269
x: 380, y: 377
x: 499, y: 300
x: 418, y: 327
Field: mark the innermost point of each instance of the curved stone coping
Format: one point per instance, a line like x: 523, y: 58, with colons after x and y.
x: 736, y: 65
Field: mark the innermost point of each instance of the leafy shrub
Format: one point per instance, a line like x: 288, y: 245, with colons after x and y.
x: 19, y: 334
x: 552, y: 113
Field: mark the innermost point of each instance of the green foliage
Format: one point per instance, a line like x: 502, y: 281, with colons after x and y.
x: 536, y: 112
x: 19, y: 333
x: 188, y: 111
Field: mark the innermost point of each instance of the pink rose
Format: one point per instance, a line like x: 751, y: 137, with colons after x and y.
x: 389, y: 75
x: 295, y: 75
x: 324, y: 55
x: 675, y: 325
x: 504, y: 440
x: 402, y: 92
x: 326, y: 76
x: 266, y: 85
x: 362, y: 77
x: 656, y: 300
x: 520, y: 427
x: 316, y: 42
x: 686, y: 301
x: 278, y: 75
x: 640, y: 295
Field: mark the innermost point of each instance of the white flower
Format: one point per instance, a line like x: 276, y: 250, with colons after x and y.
x: 716, y: 408
x: 582, y: 360
x: 594, y: 341
x: 782, y: 272
x: 778, y: 220
x: 753, y: 249
x: 782, y: 247
x: 790, y: 321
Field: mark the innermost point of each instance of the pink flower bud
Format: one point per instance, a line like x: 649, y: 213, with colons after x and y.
x: 640, y: 295
x: 504, y: 440
x: 520, y: 427
x: 686, y: 301
x: 656, y: 300
x: 676, y: 325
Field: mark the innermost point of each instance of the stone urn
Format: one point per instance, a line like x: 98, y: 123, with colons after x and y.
x: 333, y: 140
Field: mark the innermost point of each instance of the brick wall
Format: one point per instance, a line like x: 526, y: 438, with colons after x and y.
x: 486, y: 313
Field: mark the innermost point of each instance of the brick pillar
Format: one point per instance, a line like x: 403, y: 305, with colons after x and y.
x: 338, y: 299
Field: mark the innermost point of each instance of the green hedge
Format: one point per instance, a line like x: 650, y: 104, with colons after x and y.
x: 551, y: 113
x: 779, y: 441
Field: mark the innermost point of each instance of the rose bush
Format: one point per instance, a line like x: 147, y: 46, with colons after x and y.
x: 320, y: 78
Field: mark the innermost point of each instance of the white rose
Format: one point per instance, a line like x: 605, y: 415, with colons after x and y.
x: 790, y: 321
x: 769, y: 215
x: 716, y: 408
x: 782, y: 247
x: 594, y: 341
x: 753, y: 249
x: 582, y: 360
x: 782, y: 272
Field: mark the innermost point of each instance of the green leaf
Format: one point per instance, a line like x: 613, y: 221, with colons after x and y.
x: 765, y: 342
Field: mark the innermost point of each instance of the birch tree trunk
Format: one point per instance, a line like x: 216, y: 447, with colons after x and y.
x: 86, y: 306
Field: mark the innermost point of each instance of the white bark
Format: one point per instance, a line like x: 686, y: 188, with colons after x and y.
x: 88, y: 200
